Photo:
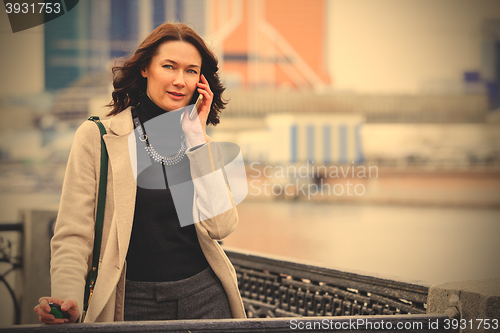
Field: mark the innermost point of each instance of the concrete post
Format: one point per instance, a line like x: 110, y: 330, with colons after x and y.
x: 472, y: 305
x: 38, y: 230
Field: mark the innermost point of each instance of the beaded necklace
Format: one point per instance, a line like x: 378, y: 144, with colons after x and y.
x: 165, y: 160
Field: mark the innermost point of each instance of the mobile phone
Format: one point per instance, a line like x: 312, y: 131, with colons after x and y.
x: 55, y: 310
x: 196, y: 106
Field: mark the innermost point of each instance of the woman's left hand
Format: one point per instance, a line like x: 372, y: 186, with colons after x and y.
x: 195, y: 128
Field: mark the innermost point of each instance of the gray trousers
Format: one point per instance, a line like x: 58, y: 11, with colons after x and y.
x: 198, y: 297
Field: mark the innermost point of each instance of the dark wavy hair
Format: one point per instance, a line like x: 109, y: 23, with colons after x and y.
x: 129, y: 85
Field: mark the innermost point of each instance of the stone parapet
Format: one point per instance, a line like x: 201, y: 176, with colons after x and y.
x: 473, y: 305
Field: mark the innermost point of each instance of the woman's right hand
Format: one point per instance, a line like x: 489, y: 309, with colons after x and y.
x: 43, y: 310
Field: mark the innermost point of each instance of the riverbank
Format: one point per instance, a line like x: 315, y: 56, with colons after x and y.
x: 419, y: 187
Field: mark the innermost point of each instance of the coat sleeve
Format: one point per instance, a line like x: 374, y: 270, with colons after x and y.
x: 213, y: 202
x: 72, y: 243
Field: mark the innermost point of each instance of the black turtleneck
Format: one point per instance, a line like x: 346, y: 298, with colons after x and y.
x: 160, y: 249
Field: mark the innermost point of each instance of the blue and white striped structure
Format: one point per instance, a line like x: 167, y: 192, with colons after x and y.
x: 318, y: 138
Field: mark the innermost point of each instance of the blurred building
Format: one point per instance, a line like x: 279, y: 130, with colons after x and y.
x: 314, y: 138
x: 399, y: 65
x: 364, y: 47
x: 387, y: 47
x: 271, y: 44
x: 87, y: 39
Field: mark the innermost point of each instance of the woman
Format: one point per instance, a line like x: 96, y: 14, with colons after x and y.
x: 154, y: 263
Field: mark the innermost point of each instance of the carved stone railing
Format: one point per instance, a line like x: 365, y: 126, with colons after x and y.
x: 406, y: 323
x: 278, y: 288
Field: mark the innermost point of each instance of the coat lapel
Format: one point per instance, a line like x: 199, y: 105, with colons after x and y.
x: 124, y: 185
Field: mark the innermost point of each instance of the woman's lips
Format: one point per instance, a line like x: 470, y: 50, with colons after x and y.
x: 175, y: 95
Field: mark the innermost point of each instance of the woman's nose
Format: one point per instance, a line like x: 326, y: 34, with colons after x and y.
x: 179, y: 79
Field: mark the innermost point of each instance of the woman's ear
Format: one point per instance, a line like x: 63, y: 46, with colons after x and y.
x: 144, y: 72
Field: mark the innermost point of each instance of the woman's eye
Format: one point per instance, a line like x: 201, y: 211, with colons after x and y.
x: 192, y: 71
x: 168, y: 66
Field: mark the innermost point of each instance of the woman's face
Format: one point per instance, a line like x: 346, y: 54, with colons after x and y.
x: 172, y: 74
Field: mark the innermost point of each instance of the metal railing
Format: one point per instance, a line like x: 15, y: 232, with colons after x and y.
x: 13, y: 262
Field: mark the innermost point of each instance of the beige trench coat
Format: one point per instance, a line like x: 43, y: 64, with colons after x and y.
x: 72, y: 243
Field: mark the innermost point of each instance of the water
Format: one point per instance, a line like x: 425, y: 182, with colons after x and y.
x: 422, y: 245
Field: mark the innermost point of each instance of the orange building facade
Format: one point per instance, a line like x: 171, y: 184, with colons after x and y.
x: 266, y: 44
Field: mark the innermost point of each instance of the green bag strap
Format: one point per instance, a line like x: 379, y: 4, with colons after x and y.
x: 101, y: 200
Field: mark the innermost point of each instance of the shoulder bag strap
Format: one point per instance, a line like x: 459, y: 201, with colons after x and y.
x: 101, y: 200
